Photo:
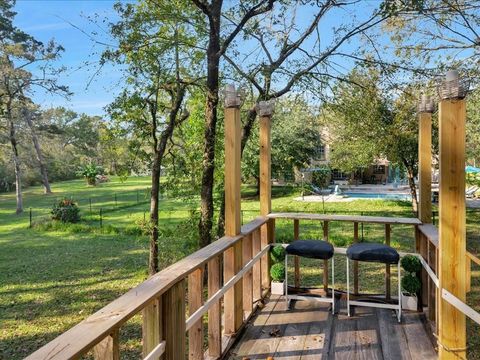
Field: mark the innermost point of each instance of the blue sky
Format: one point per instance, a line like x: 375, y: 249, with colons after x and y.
x: 54, y: 19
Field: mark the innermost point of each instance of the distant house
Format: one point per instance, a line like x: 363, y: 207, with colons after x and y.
x: 378, y: 172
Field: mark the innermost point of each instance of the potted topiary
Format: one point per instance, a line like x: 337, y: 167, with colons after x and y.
x: 90, y: 172
x: 411, y: 284
x: 277, y: 270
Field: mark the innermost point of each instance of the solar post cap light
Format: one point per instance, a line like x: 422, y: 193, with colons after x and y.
x: 265, y: 108
x: 453, y: 87
x: 233, y: 97
x: 426, y: 104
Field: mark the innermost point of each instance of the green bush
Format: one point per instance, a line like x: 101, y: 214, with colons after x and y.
x: 411, y: 264
x: 90, y: 172
x: 277, y: 272
x: 66, y: 211
x: 411, y: 284
x: 277, y: 253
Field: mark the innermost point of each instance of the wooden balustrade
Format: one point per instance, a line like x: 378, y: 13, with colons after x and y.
x: 161, y: 300
x: 326, y: 219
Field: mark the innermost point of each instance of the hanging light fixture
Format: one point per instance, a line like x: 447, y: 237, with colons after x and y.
x: 453, y: 86
x: 426, y: 104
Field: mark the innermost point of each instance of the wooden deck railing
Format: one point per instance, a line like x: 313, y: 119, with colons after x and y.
x: 356, y: 220
x: 428, y: 241
x: 162, y: 300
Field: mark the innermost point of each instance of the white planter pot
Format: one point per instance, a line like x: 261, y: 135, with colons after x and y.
x: 409, y: 302
x: 277, y: 288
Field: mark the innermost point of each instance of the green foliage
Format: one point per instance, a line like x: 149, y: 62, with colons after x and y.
x: 90, y: 172
x: 320, y: 176
x: 277, y: 254
x: 411, y: 284
x: 411, y: 264
x: 277, y: 272
x: 66, y: 211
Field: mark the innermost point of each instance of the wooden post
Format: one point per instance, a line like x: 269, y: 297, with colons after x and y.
x: 173, y: 322
x: 151, y: 326
x: 425, y: 192
x: 195, y: 300
x: 108, y: 348
x: 265, y: 187
x: 425, y: 167
x: 248, y: 277
x: 296, y: 235
x: 355, y: 263
x: 325, y: 262
x: 233, y: 299
x: 214, y: 313
x: 388, y: 290
x: 432, y: 288
x: 452, y: 233
x: 257, y: 270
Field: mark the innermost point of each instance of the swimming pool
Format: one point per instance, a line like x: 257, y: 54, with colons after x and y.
x: 383, y: 196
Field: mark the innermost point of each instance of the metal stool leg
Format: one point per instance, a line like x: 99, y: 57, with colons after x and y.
x: 348, y: 288
x: 333, y: 284
x: 399, y: 293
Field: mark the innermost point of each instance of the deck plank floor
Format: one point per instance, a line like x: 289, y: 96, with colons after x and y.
x: 309, y: 331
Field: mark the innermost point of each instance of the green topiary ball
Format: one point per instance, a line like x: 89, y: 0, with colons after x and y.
x: 411, y: 284
x: 411, y: 264
x: 277, y: 272
x: 277, y: 253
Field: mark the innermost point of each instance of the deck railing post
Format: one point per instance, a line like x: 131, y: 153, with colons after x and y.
x: 108, y: 348
x: 265, y: 111
x: 424, y: 191
x: 195, y: 300
x: 233, y: 299
x: 388, y: 282
x: 173, y: 322
x: 452, y: 232
x: 325, y: 262
x: 355, y: 263
x: 214, y: 313
x: 296, y: 236
x: 151, y: 326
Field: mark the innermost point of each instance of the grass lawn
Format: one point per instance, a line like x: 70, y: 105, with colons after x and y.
x: 52, y: 277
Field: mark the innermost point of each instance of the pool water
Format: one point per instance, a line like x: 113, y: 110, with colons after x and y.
x: 383, y: 196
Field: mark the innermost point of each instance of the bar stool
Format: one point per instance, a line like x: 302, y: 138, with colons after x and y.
x: 379, y: 253
x: 313, y: 249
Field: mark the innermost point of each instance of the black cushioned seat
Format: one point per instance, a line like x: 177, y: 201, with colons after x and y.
x: 315, y: 249
x: 373, y: 253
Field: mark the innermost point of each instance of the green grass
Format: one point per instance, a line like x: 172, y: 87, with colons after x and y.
x: 54, y: 275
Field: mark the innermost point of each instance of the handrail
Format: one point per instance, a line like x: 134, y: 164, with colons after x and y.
x: 83, y: 336
x: 349, y: 218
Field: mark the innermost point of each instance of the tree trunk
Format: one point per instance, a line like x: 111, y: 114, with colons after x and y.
x: 206, y: 194
x: 16, y: 161
x: 154, y: 199
x: 38, y: 152
x: 413, y: 189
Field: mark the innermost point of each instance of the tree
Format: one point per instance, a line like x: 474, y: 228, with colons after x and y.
x: 366, y: 124
x: 20, y: 52
x: 218, y: 44
x: 295, y: 139
x: 154, y: 43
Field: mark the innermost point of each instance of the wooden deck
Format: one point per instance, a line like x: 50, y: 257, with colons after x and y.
x: 309, y: 331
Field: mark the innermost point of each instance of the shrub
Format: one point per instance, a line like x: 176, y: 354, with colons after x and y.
x: 66, y: 211
x: 411, y: 284
x: 411, y: 264
x: 277, y: 272
x: 277, y: 253
x: 90, y: 172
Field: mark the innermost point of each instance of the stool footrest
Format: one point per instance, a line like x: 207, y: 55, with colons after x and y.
x: 311, y: 298
x: 375, y: 305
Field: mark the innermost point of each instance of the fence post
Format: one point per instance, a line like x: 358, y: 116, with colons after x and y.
x: 265, y: 111
x: 137, y: 197
x: 30, y: 217
x: 90, y: 201
x: 115, y: 199
x: 233, y: 299
x: 452, y: 232
x: 101, y: 220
